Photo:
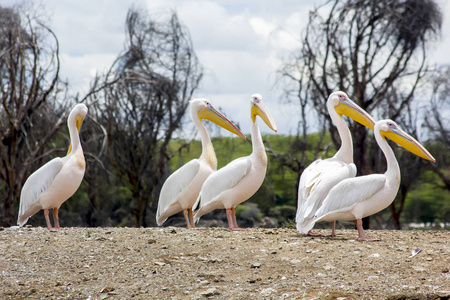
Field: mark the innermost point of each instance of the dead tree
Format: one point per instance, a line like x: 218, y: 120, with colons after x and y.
x: 153, y: 80
x: 30, y: 112
x: 373, y: 50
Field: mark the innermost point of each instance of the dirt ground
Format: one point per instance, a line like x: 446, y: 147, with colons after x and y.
x: 177, y: 263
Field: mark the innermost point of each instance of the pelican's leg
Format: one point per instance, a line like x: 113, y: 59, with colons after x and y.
x: 233, y: 219
x: 47, y: 218
x: 230, y: 218
x: 333, y: 229
x: 186, y: 217
x: 191, y: 217
x: 55, y: 217
x: 361, y: 234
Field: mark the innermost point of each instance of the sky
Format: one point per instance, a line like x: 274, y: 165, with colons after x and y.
x: 240, y: 44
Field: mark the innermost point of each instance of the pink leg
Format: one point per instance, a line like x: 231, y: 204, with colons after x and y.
x: 56, y: 218
x: 234, y: 221
x: 230, y: 218
x: 47, y: 218
x: 186, y: 217
x: 191, y: 217
x: 361, y: 234
x: 333, y: 229
x: 310, y: 233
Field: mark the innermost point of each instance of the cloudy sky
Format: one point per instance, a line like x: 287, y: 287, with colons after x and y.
x: 240, y: 44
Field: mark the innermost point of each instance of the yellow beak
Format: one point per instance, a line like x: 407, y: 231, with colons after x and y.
x: 78, y: 121
x: 258, y: 109
x: 210, y: 113
x: 351, y: 109
x: 408, y: 142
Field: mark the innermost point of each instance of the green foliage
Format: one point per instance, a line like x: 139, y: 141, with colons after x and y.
x: 284, y: 213
x: 276, y: 198
x: 248, y: 213
x: 289, y: 224
x: 429, y: 200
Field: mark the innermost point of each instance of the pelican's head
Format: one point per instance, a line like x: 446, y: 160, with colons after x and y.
x: 77, y: 116
x: 258, y: 109
x: 80, y: 112
x: 344, y: 106
x: 390, y: 129
x: 203, y: 109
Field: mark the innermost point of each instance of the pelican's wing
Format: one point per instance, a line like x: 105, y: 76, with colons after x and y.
x: 175, y: 185
x: 307, y: 180
x: 350, y: 192
x: 224, y: 179
x: 36, y: 184
x: 316, y: 182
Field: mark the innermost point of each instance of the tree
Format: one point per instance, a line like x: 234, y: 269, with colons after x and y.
x: 437, y: 124
x: 373, y: 50
x: 145, y: 99
x: 29, y: 92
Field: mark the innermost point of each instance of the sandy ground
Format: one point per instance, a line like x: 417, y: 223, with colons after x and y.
x: 176, y: 263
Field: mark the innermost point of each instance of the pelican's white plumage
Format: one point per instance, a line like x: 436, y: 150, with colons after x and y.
x: 359, y: 197
x: 319, y: 177
x: 56, y: 181
x: 241, y: 178
x: 181, y: 189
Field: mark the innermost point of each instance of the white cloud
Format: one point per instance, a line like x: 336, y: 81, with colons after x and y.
x: 81, y: 69
x: 240, y: 44
x: 262, y: 27
x: 438, y: 51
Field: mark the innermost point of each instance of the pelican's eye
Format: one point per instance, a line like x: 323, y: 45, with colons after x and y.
x: 392, y: 125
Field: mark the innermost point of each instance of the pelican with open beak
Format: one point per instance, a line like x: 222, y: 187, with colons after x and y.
x: 181, y: 189
x: 241, y: 178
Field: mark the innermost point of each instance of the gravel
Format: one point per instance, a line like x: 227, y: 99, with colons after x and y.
x: 215, y: 263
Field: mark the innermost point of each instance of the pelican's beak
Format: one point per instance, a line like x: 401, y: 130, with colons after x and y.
x: 408, y: 142
x: 351, y: 109
x: 258, y: 109
x: 78, y: 121
x: 210, y: 113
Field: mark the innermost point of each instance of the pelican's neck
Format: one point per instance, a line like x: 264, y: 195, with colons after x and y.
x: 345, y: 152
x: 74, y: 134
x: 393, y: 169
x: 208, y: 153
x: 257, y: 144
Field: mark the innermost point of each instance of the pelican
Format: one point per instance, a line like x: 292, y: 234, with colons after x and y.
x: 241, y: 178
x: 359, y: 197
x: 56, y: 181
x: 319, y: 177
x: 181, y: 189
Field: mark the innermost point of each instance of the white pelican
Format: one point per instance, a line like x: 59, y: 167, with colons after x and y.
x: 181, y: 189
x: 57, y: 180
x: 359, y: 197
x: 241, y: 178
x: 319, y: 177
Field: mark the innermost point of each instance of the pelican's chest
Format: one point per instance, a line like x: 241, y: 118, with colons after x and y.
x: 80, y: 161
x: 77, y: 161
x: 209, y: 156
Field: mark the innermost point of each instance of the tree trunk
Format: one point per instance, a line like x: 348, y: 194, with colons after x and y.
x: 8, y: 205
x: 396, y: 213
x: 91, y: 220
